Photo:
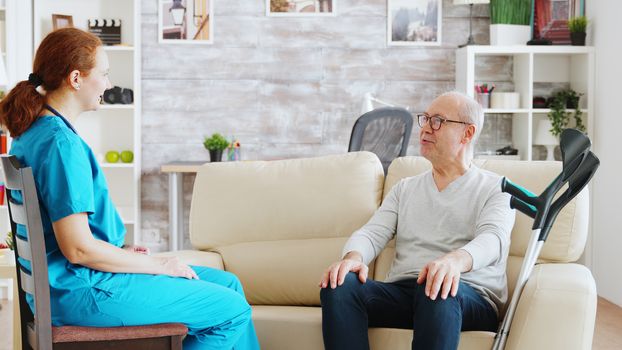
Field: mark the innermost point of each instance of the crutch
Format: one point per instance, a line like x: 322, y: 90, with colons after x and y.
x: 578, y: 166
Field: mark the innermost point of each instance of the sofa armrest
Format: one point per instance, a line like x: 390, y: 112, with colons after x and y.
x: 557, y: 309
x: 197, y: 257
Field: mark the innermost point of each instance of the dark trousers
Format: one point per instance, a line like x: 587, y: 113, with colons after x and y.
x: 348, y: 310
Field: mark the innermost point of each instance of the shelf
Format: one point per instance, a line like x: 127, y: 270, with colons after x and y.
x: 118, y: 48
x: 117, y: 165
x: 117, y: 106
x: 512, y: 50
x: 524, y: 110
x: 547, y: 110
x: 505, y: 111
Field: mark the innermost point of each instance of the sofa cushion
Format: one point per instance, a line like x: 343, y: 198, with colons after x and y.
x: 278, y: 225
x: 295, y: 327
x: 257, y: 201
x: 567, y: 238
x: 285, y: 272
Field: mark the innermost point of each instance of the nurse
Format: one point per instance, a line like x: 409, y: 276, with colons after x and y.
x: 93, y: 280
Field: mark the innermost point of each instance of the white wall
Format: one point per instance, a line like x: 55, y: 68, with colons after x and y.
x: 606, y: 250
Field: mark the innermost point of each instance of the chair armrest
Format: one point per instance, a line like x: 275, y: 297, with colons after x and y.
x: 557, y: 309
x: 197, y: 257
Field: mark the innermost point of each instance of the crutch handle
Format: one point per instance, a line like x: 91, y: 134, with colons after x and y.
x: 523, y: 207
x: 518, y: 191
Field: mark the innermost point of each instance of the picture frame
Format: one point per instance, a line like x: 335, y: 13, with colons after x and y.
x: 61, y: 21
x: 414, y: 22
x: 186, y: 21
x: 551, y: 19
x: 301, y: 8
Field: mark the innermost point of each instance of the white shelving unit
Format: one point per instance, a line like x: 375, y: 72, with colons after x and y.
x: 113, y: 127
x: 532, y: 65
x: 14, y: 31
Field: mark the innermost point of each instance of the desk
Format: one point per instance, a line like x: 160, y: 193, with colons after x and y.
x: 176, y: 171
x: 7, y: 270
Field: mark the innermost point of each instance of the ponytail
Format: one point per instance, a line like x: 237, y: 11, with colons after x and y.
x: 20, y: 108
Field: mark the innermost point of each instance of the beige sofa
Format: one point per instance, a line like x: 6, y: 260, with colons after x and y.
x: 277, y: 226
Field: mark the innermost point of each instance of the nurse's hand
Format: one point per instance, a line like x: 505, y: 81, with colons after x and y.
x: 173, y: 267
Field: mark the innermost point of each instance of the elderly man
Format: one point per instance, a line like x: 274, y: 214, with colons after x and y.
x: 452, y: 229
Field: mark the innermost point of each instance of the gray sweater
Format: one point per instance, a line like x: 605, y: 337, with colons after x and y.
x: 471, y: 213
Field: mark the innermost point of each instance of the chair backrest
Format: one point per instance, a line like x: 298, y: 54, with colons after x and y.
x: 23, y: 206
x: 383, y: 131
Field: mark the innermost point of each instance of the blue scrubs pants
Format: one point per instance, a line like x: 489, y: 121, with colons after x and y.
x: 213, y: 308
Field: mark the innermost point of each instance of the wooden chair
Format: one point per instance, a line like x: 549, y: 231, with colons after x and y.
x: 37, y: 330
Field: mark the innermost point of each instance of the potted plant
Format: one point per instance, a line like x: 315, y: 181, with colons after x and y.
x: 510, y: 22
x: 577, y: 27
x: 215, y: 144
x: 559, y: 116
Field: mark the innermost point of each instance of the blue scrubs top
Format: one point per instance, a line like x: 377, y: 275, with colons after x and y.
x: 69, y: 181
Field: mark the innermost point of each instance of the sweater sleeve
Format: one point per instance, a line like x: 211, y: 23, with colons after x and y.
x: 370, y: 239
x: 492, y: 232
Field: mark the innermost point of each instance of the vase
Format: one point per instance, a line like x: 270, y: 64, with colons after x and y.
x: 509, y: 34
x: 215, y: 155
x: 577, y: 39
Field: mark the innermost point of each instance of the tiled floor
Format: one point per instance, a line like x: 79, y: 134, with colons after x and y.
x: 607, y: 335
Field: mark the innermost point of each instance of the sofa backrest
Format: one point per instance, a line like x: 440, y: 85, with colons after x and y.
x: 279, y: 224
x: 568, y: 235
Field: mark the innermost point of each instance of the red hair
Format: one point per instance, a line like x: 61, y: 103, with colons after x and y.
x: 61, y: 52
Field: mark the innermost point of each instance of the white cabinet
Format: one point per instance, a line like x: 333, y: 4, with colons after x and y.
x: 115, y: 127
x: 535, y: 71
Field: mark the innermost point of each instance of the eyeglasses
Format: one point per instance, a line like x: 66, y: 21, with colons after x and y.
x: 435, y: 121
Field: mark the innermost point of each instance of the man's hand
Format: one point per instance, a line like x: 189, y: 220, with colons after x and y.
x: 336, y: 273
x: 444, y: 273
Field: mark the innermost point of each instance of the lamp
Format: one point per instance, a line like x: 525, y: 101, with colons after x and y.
x: 178, y: 11
x: 470, y: 41
x: 368, y: 103
x: 544, y: 137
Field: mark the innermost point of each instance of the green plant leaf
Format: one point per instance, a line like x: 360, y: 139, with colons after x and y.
x: 215, y: 142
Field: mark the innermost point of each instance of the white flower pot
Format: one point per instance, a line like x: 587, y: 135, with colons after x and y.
x: 509, y: 34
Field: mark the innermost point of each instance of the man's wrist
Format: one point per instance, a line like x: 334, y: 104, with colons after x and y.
x: 353, y: 255
x: 464, y: 258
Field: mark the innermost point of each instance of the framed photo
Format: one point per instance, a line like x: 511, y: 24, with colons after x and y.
x: 414, y: 22
x: 186, y: 21
x: 551, y: 19
x: 61, y: 21
x: 300, y: 8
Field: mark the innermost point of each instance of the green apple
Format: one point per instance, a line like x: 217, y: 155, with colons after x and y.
x: 127, y: 156
x: 112, y: 156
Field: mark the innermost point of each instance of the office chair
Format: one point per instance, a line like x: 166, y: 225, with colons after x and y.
x: 37, y: 330
x: 383, y: 131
